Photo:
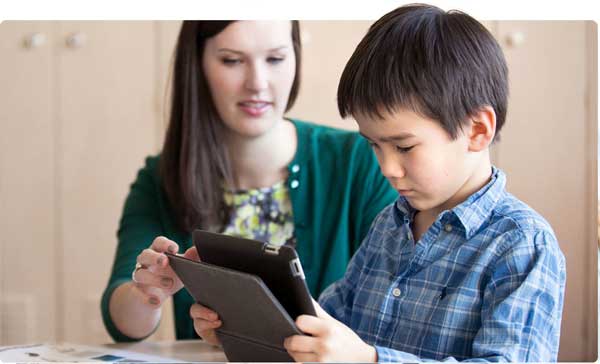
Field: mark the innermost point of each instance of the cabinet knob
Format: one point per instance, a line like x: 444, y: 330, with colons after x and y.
x: 34, y: 40
x: 76, y: 40
x: 515, y: 39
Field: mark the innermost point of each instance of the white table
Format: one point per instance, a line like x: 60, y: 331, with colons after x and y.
x: 185, y: 350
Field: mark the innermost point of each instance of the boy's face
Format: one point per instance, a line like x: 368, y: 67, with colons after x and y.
x: 418, y: 158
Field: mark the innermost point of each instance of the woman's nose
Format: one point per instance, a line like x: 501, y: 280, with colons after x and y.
x: 257, y: 78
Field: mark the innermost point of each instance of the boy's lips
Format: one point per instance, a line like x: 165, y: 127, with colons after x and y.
x: 404, y: 192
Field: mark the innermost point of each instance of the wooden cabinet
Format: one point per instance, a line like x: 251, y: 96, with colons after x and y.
x: 548, y: 150
x: 78, y: 115
x: 28, y: 181
x: 83, y: 104
x: 107, y: 125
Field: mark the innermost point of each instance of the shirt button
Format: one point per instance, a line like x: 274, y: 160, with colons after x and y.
x: 295, y: 168
x: 396, y: 292
x: 448, y: 228
x: 294, y: 184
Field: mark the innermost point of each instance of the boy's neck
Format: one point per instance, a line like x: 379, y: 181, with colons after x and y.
x: 478, y: 179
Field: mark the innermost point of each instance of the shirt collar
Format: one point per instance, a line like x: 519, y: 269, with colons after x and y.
x: 472, y: 212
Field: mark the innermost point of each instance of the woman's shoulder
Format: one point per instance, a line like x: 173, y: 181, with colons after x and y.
x: 148, y: 172
x: 151, y: 163
x: 319, y: 135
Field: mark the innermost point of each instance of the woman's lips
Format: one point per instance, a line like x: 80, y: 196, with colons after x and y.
x: 254, y: 108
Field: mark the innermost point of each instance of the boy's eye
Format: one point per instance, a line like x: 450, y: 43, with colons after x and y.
x: 373, y: 145
x: 275, y: 60
x: 404, y: 149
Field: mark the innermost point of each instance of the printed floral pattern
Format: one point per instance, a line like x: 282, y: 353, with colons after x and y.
x: 263, y: 214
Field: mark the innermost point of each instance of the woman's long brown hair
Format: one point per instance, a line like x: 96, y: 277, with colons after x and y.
x: 194, y: 163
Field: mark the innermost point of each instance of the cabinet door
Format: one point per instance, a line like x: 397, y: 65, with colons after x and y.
x: 326, y: 47
x: 107, y: 125
x: 547, y: 150
x: 27, y: 183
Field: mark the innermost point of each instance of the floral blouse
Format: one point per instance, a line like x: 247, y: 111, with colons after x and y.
x: 263, y: 214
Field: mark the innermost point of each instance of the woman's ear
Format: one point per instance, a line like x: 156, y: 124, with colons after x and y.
x: 481, y: 129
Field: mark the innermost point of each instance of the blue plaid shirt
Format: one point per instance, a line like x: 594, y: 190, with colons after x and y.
x: 484, y: 283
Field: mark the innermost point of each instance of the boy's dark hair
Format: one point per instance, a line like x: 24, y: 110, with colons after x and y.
x: 442, y: 65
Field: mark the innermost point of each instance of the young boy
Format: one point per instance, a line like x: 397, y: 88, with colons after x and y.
x: 456, y: 268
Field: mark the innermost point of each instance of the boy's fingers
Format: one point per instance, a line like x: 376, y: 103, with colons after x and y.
x: 301, y: 344
x: 198, y: 311
x: 192, y: 253
x: 206, y: 326
x: 303, y: 357
x: 206, y: 330
x: 312, y: 325
x: 320, y: 311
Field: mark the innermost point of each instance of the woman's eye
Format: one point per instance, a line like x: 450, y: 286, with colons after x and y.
x: 275, y: 60
x: 373, y: 145
x: 231, y: 61
x: 404, y: 149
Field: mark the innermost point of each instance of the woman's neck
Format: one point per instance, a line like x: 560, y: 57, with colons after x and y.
x: 262, y: 161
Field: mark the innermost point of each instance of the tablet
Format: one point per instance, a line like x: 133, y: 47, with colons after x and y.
x: 254, y: 324
x: 278, y: 266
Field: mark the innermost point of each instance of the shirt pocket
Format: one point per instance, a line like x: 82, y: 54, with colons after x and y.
x: 457, y: 309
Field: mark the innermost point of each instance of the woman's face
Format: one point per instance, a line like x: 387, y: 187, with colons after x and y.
x: 250, y: 68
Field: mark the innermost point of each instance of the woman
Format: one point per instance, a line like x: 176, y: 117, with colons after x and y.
x: 232, y: 163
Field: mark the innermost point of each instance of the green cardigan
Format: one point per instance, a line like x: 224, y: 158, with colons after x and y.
x: 336, y: 190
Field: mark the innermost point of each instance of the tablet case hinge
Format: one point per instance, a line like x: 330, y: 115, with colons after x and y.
x: 297, y: 268
x: 271, y: 249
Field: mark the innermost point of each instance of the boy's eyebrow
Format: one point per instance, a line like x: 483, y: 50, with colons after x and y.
x: 240, y: 52
x: 392, y: 138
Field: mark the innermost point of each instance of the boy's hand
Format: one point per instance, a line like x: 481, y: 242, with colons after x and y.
x: 332, y: 341
x: 205, y: 323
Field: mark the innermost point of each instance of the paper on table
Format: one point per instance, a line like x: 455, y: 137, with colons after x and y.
x: 74, y: 353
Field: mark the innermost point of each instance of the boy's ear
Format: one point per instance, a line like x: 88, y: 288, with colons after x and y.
x: 481, y: 129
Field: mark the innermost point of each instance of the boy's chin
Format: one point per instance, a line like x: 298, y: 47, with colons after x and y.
x: 420, y: 204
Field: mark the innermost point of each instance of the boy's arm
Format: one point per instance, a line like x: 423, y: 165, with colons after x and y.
x: 337, y: 299
x: 521, y: 311
x: 522, y: 306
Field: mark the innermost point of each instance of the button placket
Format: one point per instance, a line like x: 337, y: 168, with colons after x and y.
x: 294, y: 178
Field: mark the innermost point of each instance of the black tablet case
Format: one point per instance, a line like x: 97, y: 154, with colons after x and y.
x: 278, y: 266
x: 254, y: 322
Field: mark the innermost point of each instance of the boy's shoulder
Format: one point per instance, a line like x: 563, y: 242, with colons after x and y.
x: 513, y: 211
x: 521, y: 224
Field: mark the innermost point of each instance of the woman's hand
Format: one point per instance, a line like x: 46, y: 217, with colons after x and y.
x: 205, y: 323
x: 155, y: 280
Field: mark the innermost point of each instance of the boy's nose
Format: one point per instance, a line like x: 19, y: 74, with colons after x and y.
x: 391, y: 168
